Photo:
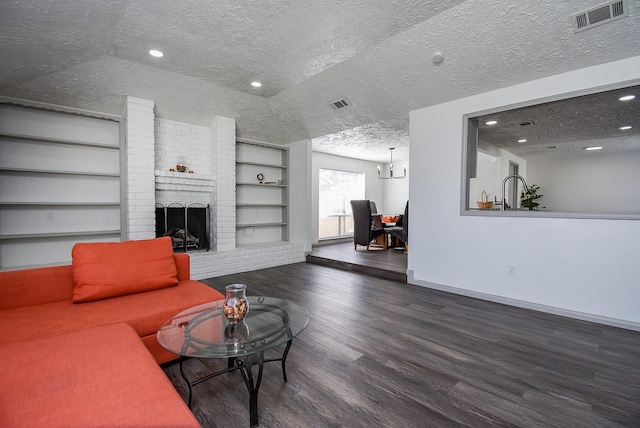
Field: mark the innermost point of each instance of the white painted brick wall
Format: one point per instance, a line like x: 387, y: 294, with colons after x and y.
x: 247, y: 258
x: 177, y: 141
x: 222, y: 136
x: 153, y: 146
x: 140, y: 152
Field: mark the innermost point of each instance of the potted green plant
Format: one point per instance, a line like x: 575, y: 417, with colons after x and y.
x: 529, y: 196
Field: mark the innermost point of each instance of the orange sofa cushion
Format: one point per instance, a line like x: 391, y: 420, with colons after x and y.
x: 35, y: 286
x: 108, y: 269
x: 145, y: 312
x: 99, y: 377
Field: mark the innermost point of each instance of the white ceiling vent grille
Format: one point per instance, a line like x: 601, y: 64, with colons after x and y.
x: 600, y: 15
x: 341, y: 103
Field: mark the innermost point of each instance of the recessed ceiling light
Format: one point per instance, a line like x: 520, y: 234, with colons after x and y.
x: 256, y: 84
x: 156, y: 53
x: 627, y: 97
x: 624, y: 128
x: 491, y: 122
x: 522, y: 140
x: 593, y: 148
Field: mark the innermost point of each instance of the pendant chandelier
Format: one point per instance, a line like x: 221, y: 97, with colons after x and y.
x: 391, y: 169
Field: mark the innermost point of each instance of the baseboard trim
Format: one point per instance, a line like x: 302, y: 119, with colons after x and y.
x: 613, y: 322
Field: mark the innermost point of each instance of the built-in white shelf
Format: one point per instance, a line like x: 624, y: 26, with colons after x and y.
x: 259, y: 205
x: 260, y: 224
x: 59, y: 234
x: 261, y: 185
x: 267, y: 165
x: 58, y: 172
x: 62, y: 204
x: 28, y: 138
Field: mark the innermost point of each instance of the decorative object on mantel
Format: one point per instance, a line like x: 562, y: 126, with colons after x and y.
x: 190, y: 171
x: 391, y: 149
x: 484, y: 202
x: 270, y: 182
x: 281, y: 181
x: 181, y: 167
x: 260, y: 177
x: 172, y: 170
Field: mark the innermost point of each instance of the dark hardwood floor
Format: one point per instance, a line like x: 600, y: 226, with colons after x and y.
x: 390, y: 264
x: 382, y: 353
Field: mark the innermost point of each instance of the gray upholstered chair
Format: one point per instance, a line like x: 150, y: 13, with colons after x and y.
x: 401, y: 230
x: 374, y: 211
x: 365, y: 226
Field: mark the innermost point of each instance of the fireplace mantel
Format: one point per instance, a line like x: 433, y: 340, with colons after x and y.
x: 184, y: 181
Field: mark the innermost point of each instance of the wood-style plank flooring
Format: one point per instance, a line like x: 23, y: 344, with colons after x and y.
x: 382, y: 353
x: 390, y: 263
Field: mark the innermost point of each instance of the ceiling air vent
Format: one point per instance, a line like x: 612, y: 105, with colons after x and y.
x: 600, y: 15
x: 341, y: 103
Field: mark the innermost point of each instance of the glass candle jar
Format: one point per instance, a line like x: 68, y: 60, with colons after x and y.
x: 236, y: 305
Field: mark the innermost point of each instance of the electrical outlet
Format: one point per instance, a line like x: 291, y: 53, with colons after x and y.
x: 511, y: 269
x: 48, y: 215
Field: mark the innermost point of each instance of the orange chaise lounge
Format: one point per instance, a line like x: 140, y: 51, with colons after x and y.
x: 78, y: 342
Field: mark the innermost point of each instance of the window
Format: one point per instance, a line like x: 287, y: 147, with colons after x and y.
x: 583, y: 153
x: 337, y: 189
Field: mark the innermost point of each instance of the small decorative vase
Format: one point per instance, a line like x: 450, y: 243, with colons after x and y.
x: 236, y: 305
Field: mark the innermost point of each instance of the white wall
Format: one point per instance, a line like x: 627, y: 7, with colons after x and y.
x: 492, y: 168
x: 300, y: 194
x: 396, y: 192
x: 597, y: 182
x: 374, y: 187
x: 587, y: 268
x: 488, y: 178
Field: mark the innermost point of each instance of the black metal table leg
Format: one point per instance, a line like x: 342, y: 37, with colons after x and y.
x: 184, y: 376
x: 284, y: 356
x: 245, y: 366
x: 230, y: 368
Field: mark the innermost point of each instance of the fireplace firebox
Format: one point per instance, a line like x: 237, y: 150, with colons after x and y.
x: 187, y: 225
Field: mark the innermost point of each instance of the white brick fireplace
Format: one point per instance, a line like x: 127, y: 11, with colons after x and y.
x: 156, y: 145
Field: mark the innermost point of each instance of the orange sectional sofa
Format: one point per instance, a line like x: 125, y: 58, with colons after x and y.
x: 108, y: 288
x: 98, y: 377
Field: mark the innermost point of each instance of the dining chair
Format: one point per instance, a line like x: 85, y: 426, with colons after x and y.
x: 374, y: 212
x: 401, y: 230
x: 366, y: 227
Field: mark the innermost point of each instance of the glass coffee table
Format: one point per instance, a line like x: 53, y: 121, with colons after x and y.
x: 204, y: 332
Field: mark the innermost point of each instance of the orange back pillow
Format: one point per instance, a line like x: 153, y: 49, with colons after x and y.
x: 109, y: 269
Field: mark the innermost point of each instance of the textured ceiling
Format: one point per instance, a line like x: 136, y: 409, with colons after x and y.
x: 376, y: 54
x: 566, y: 127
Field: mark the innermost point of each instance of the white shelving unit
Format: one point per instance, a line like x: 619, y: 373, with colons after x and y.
x: 261, y: 209
x: 59, y: 184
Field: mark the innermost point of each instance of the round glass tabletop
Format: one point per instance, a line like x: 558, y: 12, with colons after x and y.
x: 204, y: 332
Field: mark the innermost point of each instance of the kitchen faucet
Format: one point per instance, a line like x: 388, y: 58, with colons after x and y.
x: 504, y: 183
